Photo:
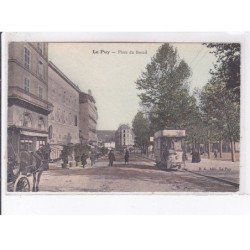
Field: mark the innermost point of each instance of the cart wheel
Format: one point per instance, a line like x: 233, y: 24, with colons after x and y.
x: 22, y: 184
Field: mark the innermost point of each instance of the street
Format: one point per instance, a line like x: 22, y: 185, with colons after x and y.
x: 140, y: 175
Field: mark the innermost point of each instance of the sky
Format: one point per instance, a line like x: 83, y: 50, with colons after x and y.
x: 111, y: 69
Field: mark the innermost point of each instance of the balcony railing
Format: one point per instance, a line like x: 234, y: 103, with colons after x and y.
x: 21, y: 94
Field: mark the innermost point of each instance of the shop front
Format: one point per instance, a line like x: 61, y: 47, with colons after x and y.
x: 22, y: 139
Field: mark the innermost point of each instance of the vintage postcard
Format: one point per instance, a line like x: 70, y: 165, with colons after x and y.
x: 113, y: 117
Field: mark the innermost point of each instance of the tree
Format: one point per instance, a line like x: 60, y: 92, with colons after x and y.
x: 141, y: 131
x: 65, y: 153
x: 104, y: 150
x: 221, y: 112
x: 164, y: 89
x: 227, y: 67
x: 80, y: 151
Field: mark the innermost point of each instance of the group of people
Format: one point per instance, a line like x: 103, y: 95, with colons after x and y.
x: 111, y: 157
x: 196, y: 155
x: 92, y: 156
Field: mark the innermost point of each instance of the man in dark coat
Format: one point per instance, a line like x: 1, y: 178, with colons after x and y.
x: 195, y: 156
x: 215, y: 153
x: 92, y: 158
x: 111, y: 157
x: 126, y: 157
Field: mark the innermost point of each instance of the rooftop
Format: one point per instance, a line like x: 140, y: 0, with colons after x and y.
x: 59, y: 72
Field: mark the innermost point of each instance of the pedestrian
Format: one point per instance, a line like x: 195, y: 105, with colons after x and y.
x: 126, y: 157
x: 92, y: 158
x: 84, y: 160
x: 111, y: 157
x: 195, y: 156
x: 215, y: 153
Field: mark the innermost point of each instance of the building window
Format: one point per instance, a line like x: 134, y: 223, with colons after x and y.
x: 26, y: 145
x: 41, y: 123
x: 40, y: 69
x: 40, y: 92
x: 40, y: 143
x: 26, y: 84
x: 26, y: 58
x: 25, y: 121
x: 40, y: 47
x: 50, y: 132
x: 75, y: 120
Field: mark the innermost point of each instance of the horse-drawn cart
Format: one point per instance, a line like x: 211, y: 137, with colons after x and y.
x: 27, y: 164
x: 16, y: 181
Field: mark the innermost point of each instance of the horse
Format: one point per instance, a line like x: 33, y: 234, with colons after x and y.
x: 35, y: 163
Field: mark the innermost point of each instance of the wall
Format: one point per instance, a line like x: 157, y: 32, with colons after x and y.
x: 88, y: 118
x: 84, y: 121
x: 66, y: 109
x: 15, y: 114
x: 18, y: 72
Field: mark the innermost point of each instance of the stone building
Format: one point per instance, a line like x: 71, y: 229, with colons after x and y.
x: 44, y: 105
x: 124, y: 137
x: 64, y: 120
x: 88, y: 118
x: 28, y: 105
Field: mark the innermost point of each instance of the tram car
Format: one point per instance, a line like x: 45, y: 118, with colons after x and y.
x: 168, y: 148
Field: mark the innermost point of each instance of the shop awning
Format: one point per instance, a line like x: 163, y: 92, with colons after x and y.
x: 30, y: 133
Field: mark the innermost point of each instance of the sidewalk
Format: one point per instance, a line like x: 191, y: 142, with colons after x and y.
x: 211, y: 164
x: 207, y: 164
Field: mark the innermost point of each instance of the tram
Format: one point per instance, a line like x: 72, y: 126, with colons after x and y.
x: 168, y: 148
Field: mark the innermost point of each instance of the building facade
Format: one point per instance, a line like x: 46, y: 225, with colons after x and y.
x: 64, y: 119
x: 28, y: 105
x: 44, y: 105
x: 88, y: 118
x: 124, y: 137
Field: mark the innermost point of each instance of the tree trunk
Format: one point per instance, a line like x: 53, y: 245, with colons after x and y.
x: 232, y: 150
x: 220, y: 148
x: 209, y: 150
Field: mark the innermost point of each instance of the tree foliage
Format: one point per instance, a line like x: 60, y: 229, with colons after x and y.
x: 104, y: 150
x: 164, y: 89
x: 141, y: 130
x: 66, y: 152
x: 220, y: 111
x: 80, y: 150
x: 227, y: 67
x: 208, y: 115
